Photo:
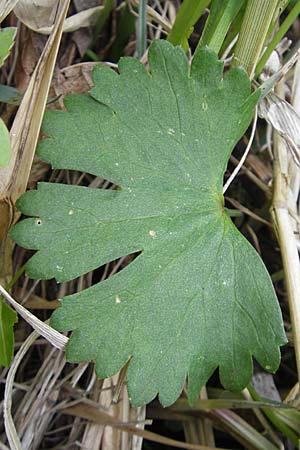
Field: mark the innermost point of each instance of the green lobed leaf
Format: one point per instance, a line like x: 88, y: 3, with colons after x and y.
x: 7, y: 38
x: 4, y: 144
x: 8, y: 318
x: 198, y: 296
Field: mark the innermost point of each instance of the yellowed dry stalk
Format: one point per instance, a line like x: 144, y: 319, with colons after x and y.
x: 284, y: 201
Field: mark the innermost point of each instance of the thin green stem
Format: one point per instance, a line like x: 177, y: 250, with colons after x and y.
x: 222, y: 13
x: 142, y: 29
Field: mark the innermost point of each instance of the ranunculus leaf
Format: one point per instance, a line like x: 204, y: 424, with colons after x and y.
x: 198, y: 296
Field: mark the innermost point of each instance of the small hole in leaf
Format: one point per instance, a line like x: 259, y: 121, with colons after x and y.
x: 38, y: 222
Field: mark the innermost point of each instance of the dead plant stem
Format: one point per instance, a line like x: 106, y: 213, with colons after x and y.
x: 286, y: 238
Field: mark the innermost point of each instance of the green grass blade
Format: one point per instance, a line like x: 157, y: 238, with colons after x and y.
x: 8, y: 318
x: 241, y: 430
x: 188, y: 14
x: 125, y: 28
x: 222, y: 13
x: 275, y: 419
x: 234, y: 29
x: 291, y: 418
x: 102, y: 19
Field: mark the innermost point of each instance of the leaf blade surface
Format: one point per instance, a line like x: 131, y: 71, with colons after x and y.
x: 198, y: 296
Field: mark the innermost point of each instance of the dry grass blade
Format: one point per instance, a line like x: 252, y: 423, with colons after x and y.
x: 10, y: 429
x: 36, y: 14
x: 254, y: 178
x: 26, y: 126
x: 6, y: 6
x: 85, y: 18
x: 55, y: 338
x: 284, y: 119
x: 93, y: 414
x: 182, y: 406
x: 25, y: 133
x: 273, y: 80
x: 288, y: 244
x: 93, y: 432
x: 199, y: 430
x: 140, y: 416
x: 35, y: 301
x: 247, y: 211
x: 35, y: 412
x: 285, y: 207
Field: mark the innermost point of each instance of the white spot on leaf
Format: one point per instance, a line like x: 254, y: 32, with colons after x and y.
x: 118, y: 299
x: 152, y: 234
